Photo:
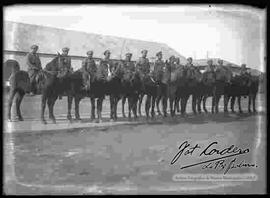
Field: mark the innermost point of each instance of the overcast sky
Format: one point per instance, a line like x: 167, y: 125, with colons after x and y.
x: 233, y: 33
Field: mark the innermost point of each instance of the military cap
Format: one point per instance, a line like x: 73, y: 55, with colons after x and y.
x: 220, y: 61
x: 89, y: 52
x: 171, y: 57
x: 65, y: 49
x: 34, y: 47
x: 144, y: 51
x: 159, y: 53
x: 209, y: 61
x: 128, y: 54
x: 189, y: 58
x: 106, y: 51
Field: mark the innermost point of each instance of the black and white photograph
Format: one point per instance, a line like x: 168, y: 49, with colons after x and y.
x: 134, y: 99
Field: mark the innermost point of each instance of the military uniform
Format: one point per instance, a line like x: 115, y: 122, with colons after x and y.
x: 128, y: 65
x: 159, y: 68
x: 106, y: 68
x: 243, y: 70
x: 34, y: 66
x: 65, y: 65
x: 89, y: 68
x: 143, y: 64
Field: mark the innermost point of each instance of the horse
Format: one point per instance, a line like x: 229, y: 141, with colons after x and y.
x: 242, y: 85
x: 206, y: 89
x: 131, y: 86
x: 223, y: 77
x: 19, y: 85
x: 171, y: 81
x: 106, y: 81
x: 148, y: 88
x: 51, y: 86
x: 189, y: 86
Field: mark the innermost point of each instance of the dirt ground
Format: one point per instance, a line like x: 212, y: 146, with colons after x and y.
x: 128, y: 157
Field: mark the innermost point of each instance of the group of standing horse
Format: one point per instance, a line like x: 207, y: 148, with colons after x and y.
x: 173, y: 83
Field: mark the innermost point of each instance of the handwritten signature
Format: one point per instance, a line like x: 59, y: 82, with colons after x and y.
x: 187, y: 149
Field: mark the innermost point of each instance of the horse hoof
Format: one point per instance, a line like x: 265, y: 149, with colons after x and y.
x: 99, y: 121
x: 43, y: 121
x: 78, y: 119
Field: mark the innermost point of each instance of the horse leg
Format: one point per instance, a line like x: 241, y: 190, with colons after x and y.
x: 204, y: 103
x: 123, y: 106
x: 10, y: 101
x: 140, y: 104
x: 254, y: 102
x: 18, y: 105
x: 43, y: 106
x: 116, y: 100
x: 157, y: 104
x: 232, y: 103
x: 239, y: 104
x: 164, y: 105
x: 217, y: 103
x: 147, y: 105
x: 130, y: 106
x: 199, y: 104
x: 249, y: 102
x: 50, y: 103
x: 134, y: 105
x: 69, y: 98
x: 226, y: 100
x: 92, y: 108
x: 194, y: 98
x: 213, y: 103
x: 185, y: 103
x: 177, y: 106
x: 77, y: 108
x: 111, y: 107
x: 153, y: 102
x: 171, y: 99
x: 99, y: 109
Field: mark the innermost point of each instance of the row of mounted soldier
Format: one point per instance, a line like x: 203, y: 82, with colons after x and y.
x: 169, y: 80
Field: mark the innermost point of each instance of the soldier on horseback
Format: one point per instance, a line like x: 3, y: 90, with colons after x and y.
x: 65, y: 63
x: 106, y: 67
x: 34, y: 66
x: 128, y: 64
x: 89, y: 69
x: 159, y: 67
x: 243, y: 70
x: 189, y: 63
x: 64, y: 69
x: 210, y: 66
x: 143, y: 64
